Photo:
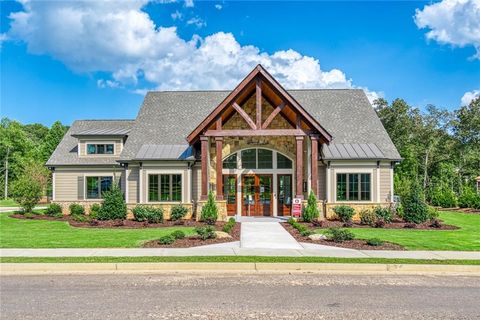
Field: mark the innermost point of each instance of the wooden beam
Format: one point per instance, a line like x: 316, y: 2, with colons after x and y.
x: 258, y: 96
x: 204, y: 148
x: 219, y: 123
x: 299, y: 168
x: 272, y: 115
x: 281, y: 113
x: 299, y: 121
x: 218, y: 157
x: 255, y: 133
x: 245, y: 116
x: 314, y: 162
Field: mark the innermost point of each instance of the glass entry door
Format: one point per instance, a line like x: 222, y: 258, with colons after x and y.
x: 257, y: 195
x: 284, y: 194
x: 230, y: 193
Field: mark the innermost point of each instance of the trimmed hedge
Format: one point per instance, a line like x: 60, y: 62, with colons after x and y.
x: 148, y: 214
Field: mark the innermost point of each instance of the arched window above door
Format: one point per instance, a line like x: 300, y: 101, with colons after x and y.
x: 257, y: 158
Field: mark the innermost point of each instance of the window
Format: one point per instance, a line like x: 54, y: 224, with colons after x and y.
x: 165, y: 187
x: 100, y: 148
x: 249, y: 159
x: 265, y: 159
x: 353, y: 187
x: 97, y: 185
x: 230, y: 162
x: 283, y: 162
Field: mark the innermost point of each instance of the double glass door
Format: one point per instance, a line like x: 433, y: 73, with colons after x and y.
x: 257, y: 195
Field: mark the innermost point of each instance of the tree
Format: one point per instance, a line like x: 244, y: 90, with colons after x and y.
x: 414, y: 206
x: 310, y: 213
x: 113, y: 206
x: 52, y: 139
x: 28, y: 189
x: 209, y: 213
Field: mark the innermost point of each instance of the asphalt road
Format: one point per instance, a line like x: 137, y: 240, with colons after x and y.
x: 239, y: 297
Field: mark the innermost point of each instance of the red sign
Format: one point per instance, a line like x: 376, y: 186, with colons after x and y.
x: 296, y: 207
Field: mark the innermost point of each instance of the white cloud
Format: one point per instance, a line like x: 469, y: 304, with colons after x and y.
x: 120, y: 39
x: 454, y: 22
x: 469, y: 96
x: 177, y: 15
x: 3, y: 38
x: 218, y: 6
x: 189, y: 3
x: 197, y: 21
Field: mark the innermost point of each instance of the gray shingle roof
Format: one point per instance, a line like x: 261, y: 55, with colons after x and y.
x: 167, y: 118
x: 66, y: 152
x: 164, y: 152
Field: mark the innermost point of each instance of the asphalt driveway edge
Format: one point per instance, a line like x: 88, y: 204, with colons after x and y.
x: 7, y: 269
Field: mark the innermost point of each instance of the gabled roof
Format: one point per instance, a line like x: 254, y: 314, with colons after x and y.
x: 259, y: 73
x: 66, y: 152
x: 167, y: 118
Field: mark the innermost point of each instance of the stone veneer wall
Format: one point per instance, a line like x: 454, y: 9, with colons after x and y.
x: 358, y: 207
x: 222, y: 209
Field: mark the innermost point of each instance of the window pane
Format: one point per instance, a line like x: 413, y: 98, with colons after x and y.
x: 176, y: 187
x: 92, y: 188
x: 230, y: 162
x: 105, y: 184
x: 229, y: 189
x: 353, y: 186
x: 249, y: 159
x: 265, y: 159
x: 365, y: 186
x: 165, y: 187
x: 100, y: 149
x: 341, y: 186
x: 91, y: 149
x: 283, y: 162
x: 153, y: 188
x: 109, y: 148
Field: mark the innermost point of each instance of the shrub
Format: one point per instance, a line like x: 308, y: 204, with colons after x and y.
x: 80, y: 218
x: 414, y: 206
x: 306, y: 233
x: 29, y: 215
x: 178, y: 234
x: 444, y: 197
x: 76, y: 209
x: 340, y: 235
x: 205, y: 233
x: 344, y: 213
x: 148, y: 214
x: 291, y: 221
x: 53, y: 210
x: 166, y: 240
x: 311, y: 213
x: 367, y: 217
x: 383, y: 213
x: 432, y: 213
x: 26, y: 192
x: 375, y: 242
x: 178, y: 212
x: 209, y: 213
x: 469, y: 198
x: 228, y: 227
x: 94, y: 210
x: 113, y: 206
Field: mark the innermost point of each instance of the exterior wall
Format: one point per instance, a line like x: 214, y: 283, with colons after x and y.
x: 196, y: 182
x: 357, y: 206
x: 133, y: 184
x: 322, y: 182
x: 82, y: 145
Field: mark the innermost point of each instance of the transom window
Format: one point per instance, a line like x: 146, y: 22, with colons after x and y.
x: 164, y: 187
x: 353, y: 186
x: 103, y: 148
x: 96, y: 186
x: 257, y: 159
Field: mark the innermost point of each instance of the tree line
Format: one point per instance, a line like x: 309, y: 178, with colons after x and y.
x: 440, y: 150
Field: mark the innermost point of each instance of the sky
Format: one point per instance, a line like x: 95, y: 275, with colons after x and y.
x: 68, y: 60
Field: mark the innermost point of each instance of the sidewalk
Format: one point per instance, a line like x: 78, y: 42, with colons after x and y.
x: 234, y: 249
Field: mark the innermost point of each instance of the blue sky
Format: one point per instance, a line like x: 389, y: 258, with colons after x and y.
x: 67, y: 61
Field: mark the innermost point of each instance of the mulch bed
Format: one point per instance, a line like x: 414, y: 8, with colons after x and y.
x: 194, y: 241
x: 395, y: 224
x: 350, y: 244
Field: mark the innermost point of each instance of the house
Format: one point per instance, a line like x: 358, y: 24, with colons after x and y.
x: 256, y: 147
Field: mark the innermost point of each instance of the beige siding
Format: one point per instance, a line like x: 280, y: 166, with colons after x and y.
x: 385, y: 184
x: 196, y: 182
x: 322, y: 182
x: 133, y: 174
x: 83, y: 146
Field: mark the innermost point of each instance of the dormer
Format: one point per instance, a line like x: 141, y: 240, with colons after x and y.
x: 101, y: 142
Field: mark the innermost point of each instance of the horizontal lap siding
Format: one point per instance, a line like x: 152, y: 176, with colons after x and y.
x: 196, y: 182
x: 66, y: 186
x: 133, y: 184
x: 385, y: 183
x: 322, y: 183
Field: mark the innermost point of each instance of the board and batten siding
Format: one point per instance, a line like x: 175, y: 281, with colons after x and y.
x: 70, y: 182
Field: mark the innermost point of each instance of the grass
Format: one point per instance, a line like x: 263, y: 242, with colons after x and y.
x: 467, y: 238
x: 231, y: 259
x: 20, y: 233
x: 8, y: 203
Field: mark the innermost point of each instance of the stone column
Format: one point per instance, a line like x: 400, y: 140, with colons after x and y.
x: 314, y: 163
x: 218, y: 150
x: 299, y: 168
x: 204, y: 160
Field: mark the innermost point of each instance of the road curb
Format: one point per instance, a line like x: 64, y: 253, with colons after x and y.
x: 7, y: 269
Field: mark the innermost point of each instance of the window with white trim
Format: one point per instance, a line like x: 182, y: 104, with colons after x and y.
x: 257, y: 158
x: 353, y: 186
x: 100, y: 148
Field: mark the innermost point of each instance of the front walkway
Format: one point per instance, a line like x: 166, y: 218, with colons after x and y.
x: 266, y: 235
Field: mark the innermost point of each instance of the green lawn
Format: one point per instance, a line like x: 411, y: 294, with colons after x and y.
x: 230, y: 259
x: 467, y: 238
x: 8, y: 203
x: 19, y: 233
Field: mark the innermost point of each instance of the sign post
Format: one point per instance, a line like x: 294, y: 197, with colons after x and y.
x: 296, y: 207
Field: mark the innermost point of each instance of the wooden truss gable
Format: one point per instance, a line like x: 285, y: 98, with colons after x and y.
x: 262, y: 85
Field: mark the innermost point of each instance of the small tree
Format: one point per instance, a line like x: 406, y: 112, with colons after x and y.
x: 310, y: 213
x: 210, y: 211
x: 113, y: 206
x: 414, y: 206
x: 27, y: 193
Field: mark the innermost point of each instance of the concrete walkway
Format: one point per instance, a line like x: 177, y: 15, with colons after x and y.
x: 234, y: 249
x: 266, y: 235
